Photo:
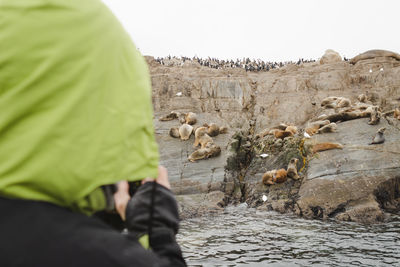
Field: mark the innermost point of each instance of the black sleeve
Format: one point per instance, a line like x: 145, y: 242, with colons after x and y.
x: 153, y: 210
x: 34, y: 233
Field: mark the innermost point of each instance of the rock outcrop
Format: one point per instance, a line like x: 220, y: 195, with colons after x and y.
x: 346, y: 184
x: 247, y: 103
x: 330, y: 56
x: 372, y: 54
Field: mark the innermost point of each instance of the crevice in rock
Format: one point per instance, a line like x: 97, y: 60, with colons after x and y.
x: 242, y: 148
x: 248, y: 146
x: 300, y: 211
x: 318, y: 212
x: 371, y: 148
x: 387, y: 195
x: 209, y: 186
x: 339, y: 209
x: 237, y: 163
x: 354, y: 171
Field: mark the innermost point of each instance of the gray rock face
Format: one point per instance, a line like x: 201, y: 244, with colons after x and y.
x: 200, y: 204
x: 359, y: 183
x: 250, y: 102
x: 344, y: 183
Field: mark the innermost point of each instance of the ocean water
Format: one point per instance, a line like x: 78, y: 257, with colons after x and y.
x: 246, y: 237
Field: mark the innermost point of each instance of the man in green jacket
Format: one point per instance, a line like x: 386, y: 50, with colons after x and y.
x: 76, y: 114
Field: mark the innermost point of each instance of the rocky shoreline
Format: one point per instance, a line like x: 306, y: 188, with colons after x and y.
x: 358, y: 183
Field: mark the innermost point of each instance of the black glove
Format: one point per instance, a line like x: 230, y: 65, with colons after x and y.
x: 153, y: 211
x: 141, y: 213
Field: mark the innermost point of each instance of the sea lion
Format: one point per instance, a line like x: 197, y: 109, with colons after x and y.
x: 223, y: 130
x: 311, y: 130
x: 201, y: 137
x: 209, y: 151
x: 292, y: 169
x: 370, y: 109
x: 272, y: 131
x: 292, y: 129
x: 346, y: 116
x: 190, y: 118
x: 174, y: 132
x: 281, y: 176
x: 325, y: 146
x: 372, y: 97
x: 373, y: 54
x: 329, y: 102
x: 378, y: 138
x: 319, y: 123
x: 182, y: 119
x: 185, y: 131
x: 330, y: 128
x: 362, y: 98
x: 335, y: 102
x: 313, y: 127
x: 281, y: 126
x: 274, y: 176
x: 361, y: 106
x: 171, y: 116
x: 200, y: 131
x: 375, y: 116
x: 350, y: 109
x: 212, y: 129
x: 321, y: 117
x: 282, y: 134
x: 343, y: 102
x: 396, y: 113
x: 200, y: 153
x: 268, y: 177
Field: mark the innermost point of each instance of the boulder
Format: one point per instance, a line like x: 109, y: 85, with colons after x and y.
x: 330, y: 56
x: 195, y: 205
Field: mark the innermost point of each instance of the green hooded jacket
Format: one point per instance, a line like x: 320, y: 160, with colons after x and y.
x: 75, y: 101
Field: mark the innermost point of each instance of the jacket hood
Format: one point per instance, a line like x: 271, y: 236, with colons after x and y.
x: 75, y: 96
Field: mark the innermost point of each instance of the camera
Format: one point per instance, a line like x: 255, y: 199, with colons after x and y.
x: 110, y: 215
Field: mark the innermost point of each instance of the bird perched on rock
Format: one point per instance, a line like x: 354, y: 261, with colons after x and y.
x: 379, y: 138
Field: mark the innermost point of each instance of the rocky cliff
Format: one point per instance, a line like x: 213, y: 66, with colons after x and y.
x: 358, y: 183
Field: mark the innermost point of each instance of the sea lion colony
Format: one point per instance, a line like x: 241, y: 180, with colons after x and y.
x: 203, y: 135
x: 342, y: 109
x: 245, y: 63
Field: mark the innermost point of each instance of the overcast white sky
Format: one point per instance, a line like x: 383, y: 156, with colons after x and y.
x: 266, y: 29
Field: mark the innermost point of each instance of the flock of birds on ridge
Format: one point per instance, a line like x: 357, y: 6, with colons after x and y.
x: 245, y: 63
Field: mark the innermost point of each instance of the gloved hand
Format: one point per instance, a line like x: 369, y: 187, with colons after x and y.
x: 153, y: 210
x: 163, y: 214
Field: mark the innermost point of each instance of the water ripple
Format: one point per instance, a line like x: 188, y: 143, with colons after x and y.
x: 247, y: 237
